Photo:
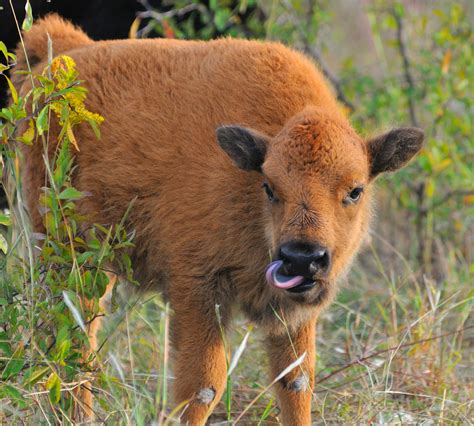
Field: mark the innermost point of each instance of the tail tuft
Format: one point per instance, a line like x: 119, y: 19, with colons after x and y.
x: 64, y: 35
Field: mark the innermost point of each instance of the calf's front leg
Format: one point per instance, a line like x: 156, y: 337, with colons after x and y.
x: 295, y: 390
x: 199, y: 362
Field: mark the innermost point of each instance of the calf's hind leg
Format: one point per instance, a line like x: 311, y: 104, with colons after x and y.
x: 199, y: 355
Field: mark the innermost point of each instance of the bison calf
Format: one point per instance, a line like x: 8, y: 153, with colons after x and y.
x: 250, y: 189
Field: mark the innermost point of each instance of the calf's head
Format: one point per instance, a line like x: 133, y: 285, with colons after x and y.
x: 316, y: 176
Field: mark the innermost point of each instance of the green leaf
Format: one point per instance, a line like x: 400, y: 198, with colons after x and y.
x: 29, y: 134
x: 94, y: 244
x: 4, y: 50
x: 7, y: 391
x: 63, y: 351
x: 266, y: 412
x: 36, y: 376
x: 3, y: 244
x: 42, y: 120
x: 70, y: 194
x: 399, y: 10
x: 95, y: 128
x: 221, y: 18
x: 84, y: 257
x: 12, y: 90
x: 63, y: 334
x: 5, y: 348
x: 5, y: 220
x: 430, y: 188
x: 28, y: 21
x: 14, y: 365
x: 54, y: 386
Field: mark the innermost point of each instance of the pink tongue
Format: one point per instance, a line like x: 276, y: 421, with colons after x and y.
x: 278, y: 280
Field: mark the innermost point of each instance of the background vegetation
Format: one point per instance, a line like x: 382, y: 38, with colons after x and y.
x: 396, y: 346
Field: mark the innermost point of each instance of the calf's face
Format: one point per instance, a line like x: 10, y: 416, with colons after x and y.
x: 316, y: 178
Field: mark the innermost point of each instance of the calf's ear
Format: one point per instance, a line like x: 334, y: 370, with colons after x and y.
x: 246, y: 147
x: 392, y: 150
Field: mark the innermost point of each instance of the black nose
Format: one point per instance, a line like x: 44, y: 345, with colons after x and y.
x: 304, y: 259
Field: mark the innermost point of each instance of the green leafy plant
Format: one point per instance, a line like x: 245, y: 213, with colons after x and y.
x: 50, y: 296
x: 428, y: 90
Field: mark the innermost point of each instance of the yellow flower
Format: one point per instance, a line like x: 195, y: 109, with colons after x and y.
x: 64, y: 76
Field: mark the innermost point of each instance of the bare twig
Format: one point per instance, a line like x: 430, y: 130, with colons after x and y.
x: 311, y: 50
x: 406, y: 66
x: 420, y: 223
x: 154, y: 16
x: 447, y: 196
x: 160, y: 16
x: 331, y: 77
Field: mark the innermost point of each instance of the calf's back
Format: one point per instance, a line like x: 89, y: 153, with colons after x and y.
x: 193, y: 211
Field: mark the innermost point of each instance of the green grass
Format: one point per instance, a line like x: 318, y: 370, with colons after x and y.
x: 396, y: 347
x: 393, y: 349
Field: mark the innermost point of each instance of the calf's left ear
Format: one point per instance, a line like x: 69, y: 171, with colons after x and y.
x: 392, y: 150
x: 245, y: 147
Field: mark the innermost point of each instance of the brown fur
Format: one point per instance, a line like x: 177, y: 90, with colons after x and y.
x: 204, y: 227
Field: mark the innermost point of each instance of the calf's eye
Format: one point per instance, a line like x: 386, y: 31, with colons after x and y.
x: 269, y: 192
x: 354, y: 195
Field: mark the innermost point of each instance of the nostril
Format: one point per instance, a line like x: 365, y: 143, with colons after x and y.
x: 319, y: 254
x: 320, y: 262
x: 286, y: 256
x: 286, y: 267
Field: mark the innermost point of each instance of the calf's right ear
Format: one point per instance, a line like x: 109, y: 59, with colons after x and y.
x: 245, y: 147
x: 392, y: 150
